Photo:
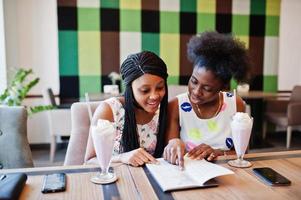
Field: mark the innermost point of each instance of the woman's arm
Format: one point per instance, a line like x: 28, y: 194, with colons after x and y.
x: 240, y: 104
x: 173, y: 127
x: 103, y: 111
x: 175, y: 149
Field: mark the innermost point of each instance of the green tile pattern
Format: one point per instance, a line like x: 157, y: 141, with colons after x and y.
x: 88, y: 42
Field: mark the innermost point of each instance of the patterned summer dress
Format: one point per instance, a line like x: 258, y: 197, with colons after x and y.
x: 147, y: 132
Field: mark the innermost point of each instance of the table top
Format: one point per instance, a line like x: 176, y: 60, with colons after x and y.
x: 137, y: 183
x: 253, y: 94
x: 98, y: 96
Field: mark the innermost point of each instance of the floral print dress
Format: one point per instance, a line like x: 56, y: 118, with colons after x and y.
x: 147, y: 133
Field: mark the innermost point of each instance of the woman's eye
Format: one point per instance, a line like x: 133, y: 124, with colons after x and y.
x: 207, y: 89
x: 193, y: 81
x: 160, y: 88
x: 144, y: 91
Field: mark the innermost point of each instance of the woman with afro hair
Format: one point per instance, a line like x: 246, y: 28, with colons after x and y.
x: 199, y: 120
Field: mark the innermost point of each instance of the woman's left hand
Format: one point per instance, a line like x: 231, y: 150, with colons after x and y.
x: 204, y: 151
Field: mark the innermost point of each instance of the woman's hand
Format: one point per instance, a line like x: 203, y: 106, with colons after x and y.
x: 204, y: 151
x: 174, y: 152
x: 137, y: 157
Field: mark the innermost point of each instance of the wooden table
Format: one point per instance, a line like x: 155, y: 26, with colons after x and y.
x: 254, y: 94
x: 98, y: 96
x: 136, y: 183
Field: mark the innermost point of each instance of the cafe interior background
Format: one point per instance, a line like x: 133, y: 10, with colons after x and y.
x: 73, y: 45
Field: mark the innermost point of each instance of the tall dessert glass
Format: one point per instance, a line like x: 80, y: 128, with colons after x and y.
x: 103, y: 139
x: 241, y: 127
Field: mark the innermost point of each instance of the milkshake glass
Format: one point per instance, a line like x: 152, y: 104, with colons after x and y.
x: 241, y: 128
x: 103, y: 136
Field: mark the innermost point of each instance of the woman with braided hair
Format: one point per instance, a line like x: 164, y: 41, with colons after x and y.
x: 139, y: 114
x: 199, y: 120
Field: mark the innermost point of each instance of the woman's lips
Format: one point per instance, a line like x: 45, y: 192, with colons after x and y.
x: 153, y: 104
x: 195, y: 99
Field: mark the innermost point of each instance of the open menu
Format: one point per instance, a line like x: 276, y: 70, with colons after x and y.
x: 195, y: 174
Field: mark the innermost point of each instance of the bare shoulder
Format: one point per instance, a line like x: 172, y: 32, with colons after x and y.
x: 240, y: 104
x: 103, y: 111
x: 172, y: 120
x: 173, y: 104
x: 173, y: 111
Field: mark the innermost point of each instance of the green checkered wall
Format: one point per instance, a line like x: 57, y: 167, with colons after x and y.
x: 95, y: 36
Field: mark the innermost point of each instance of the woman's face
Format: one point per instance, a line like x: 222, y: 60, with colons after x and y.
x: 203, y: 86
x: 148, y: 91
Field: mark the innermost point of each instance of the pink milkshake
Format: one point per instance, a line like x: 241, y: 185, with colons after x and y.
x: 103, y: 139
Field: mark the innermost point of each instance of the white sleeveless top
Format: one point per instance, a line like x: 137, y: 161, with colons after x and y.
x: 147, y: 133
x: 215, y: 131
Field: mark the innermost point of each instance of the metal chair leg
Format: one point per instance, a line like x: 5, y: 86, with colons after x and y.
x: 288, y: 136
x: 52, y: 148
x: 264, y: 129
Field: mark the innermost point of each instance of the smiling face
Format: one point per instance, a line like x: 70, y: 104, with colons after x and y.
x: 148, y: 91
x: 203, y: 86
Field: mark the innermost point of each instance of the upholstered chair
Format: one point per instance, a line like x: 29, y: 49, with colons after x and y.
x: 284, y: 114
x: 14, y: 147
x: 80, y: 125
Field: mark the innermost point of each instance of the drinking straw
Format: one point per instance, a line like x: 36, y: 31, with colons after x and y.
x: 89, y: 106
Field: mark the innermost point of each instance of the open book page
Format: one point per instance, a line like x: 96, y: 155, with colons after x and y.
x: 202, y: 170
x: 196, y: 173
x: 170, y: 177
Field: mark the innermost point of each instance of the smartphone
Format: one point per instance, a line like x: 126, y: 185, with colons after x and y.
x: 271, y: 177
x: 54, y: 183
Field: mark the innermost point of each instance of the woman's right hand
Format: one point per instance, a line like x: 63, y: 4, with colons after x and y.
x: 174, y: 152
x: 137, y: 157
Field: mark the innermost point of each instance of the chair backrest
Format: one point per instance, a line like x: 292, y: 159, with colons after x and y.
x: 80, y: 125
x: 296, y: 94
x: 14, y: 147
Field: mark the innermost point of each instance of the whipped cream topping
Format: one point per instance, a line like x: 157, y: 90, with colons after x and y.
x: 242, y: 118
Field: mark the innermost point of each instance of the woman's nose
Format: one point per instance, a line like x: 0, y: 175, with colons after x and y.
x: 197, y: 91
x: 154, y: 95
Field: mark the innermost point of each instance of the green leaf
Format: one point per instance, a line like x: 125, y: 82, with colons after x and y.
x: 18, y: 89
x: 36, y: 109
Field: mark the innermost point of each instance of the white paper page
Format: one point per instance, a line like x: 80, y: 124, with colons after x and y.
x: 170, y: 177
x: 202, y: 170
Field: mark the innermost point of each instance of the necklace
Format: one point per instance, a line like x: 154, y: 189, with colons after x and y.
x: 218, y: 108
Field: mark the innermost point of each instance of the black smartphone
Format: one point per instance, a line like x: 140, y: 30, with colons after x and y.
x: 270, y: 176
x: 54, y: 183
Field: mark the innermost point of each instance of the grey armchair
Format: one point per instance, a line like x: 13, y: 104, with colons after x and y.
x: 284, y: 113
x: 14, y: 147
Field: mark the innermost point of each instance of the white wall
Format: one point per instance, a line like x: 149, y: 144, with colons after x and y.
x: 32, y: 40
x: 289, y: 72
x: 3, y: 80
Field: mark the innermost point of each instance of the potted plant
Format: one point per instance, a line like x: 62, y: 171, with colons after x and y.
x: 18, y: 89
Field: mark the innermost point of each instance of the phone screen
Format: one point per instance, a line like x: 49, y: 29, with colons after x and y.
x: 271, y: 176
x: 54, y: 183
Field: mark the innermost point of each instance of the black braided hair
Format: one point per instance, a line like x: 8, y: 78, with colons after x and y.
x: 132, y: 68
x: 224, y: 55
